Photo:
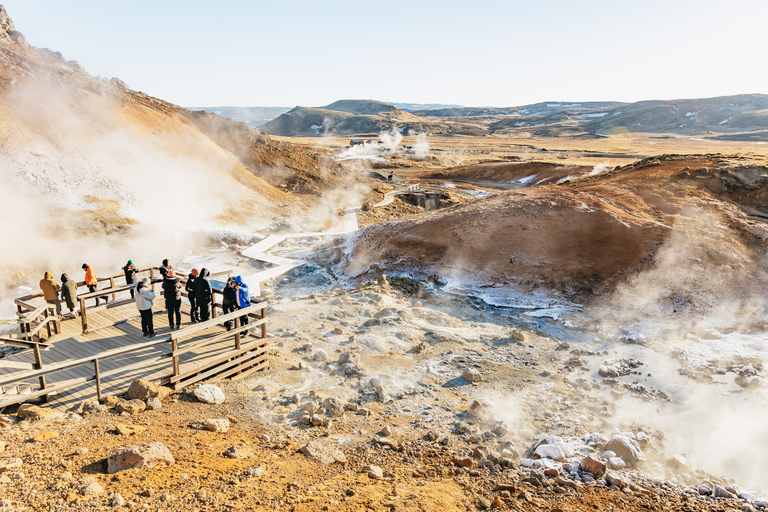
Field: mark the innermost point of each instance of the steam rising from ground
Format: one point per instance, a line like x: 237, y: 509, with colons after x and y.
x: 703, y: 302
x: 66, y: 151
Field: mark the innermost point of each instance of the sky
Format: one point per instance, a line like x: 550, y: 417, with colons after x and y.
x: 478, y: 53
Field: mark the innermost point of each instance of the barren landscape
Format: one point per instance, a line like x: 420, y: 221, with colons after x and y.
x: 488, y: 312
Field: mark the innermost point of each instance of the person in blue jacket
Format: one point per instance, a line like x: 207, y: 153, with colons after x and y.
x: 243, y: 299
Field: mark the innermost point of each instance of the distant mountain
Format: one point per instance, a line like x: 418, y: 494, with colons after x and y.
x: 414, y: 107
x: 252, y: 116
x: 342, y: 117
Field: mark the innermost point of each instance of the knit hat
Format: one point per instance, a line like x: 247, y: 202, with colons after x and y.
x: 130, y: 262
x: 171, y: 273
x: 85, y: 266
x: 194, y: 272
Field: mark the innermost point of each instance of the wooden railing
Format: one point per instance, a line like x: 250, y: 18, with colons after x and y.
x: 245, y: 358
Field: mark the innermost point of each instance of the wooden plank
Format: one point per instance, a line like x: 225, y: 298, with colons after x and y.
x: 58, y: 387
x: 245, y: 362
x: 20, y: 365
x: 261, y: 366
x: 207, y: 363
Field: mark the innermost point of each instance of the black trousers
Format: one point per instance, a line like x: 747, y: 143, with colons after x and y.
x: 228, y: 308
x: 174, y: 308
x: 92, y: 288
x: 147, y: 326
x: 205, y: 311
x: 194, y: 313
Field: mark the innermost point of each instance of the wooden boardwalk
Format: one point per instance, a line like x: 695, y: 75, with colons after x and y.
x: 118, y: 326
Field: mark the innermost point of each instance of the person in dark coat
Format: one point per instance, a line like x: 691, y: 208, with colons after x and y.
x: 165, y: 267
x: 229, y: 301
x: 69, y: 293
x: 203, y: 294
x: 172, y: 293
x: 130, y: 272
x: 194, y: 311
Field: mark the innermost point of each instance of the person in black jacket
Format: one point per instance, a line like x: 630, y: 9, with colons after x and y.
x: 172, y: 292
x: 130, y: 272
x: 203, y: 294
x: 194, y: 311
x: 229, y: 301
x: 165, y: 267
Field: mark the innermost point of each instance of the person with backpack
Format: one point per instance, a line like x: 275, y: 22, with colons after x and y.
x: 203, y: 294
x: 144, y: 298
x: 194, y: 311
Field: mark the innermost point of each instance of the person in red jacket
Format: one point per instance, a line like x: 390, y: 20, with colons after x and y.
x: 91, y: 282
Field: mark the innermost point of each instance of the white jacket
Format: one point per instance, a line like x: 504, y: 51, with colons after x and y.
x: 144, y: 298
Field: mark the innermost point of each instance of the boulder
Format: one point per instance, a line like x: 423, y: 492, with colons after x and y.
x: 163, y: 392
x: 153, y: 403
x: 471, y: 374
x: 209, y: 394
x: 616, y: 463
x: 374, y: 472
x: 323, y: 451
x: 142, y: 389
x: 216, y: 425
x: 704, y: 490
x: 128, y: 430
x: 720, y: 492
x: 463, y: 462
x: 678, y: 463
x: 35, y: 413
x: 477, y: 409
x: 333, y: 406
x: 131, y: 406
x: 595, y: 467
x: 143, y: 456
x: 88, y: 485
x: 320, y: 355
x: 550, y: 451
x: 626, y: 448
x: 111, y: 401
x: 92, y: 408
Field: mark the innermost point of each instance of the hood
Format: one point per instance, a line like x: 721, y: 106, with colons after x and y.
x: 64, y: 278
x: 239, y: 279
x: 205, y: 273
x: 48, y: 275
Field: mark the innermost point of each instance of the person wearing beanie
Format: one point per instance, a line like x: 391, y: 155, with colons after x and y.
x: 51, y: 291
x: 92, y: 282
x: 144, y: 298
x: 194, y: 311
x: 130, y: 272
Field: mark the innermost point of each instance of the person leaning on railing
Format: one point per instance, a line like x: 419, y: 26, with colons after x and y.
x: 51, y: 291
x: 92, y: 282
x: 194, y: 311
x: 203, y: 294
x: 69, y: 293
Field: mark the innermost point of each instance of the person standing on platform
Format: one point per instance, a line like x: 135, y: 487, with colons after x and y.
x: 229, y: 301
x: 243, y: 300
x: 144, y: 298
x: 165, y: 267
x: 92, y: 282
x: 130, y: 272
x: 172, y: 292
x: 69, y: 293
x: 51, y: 291
x: 194, y: 311
x: 204, y: 294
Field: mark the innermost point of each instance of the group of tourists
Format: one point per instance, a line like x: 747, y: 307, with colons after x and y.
x: 198, y: 288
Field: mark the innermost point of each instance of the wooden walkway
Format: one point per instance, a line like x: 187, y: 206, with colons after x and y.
x: 117, y: 326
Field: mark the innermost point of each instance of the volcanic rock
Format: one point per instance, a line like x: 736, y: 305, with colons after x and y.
x: 471, y: 375
x: 626, y: 448
x: 374, y: 472
x: 88, y: 485
x: 216, y: 425
x: 131, y: 406
x: 594, y: 466
x: 153, y: 403
x: 127, y: 430
x: 209, y: 394
x: 323, y: 451
x: 550, y: 451
x: 34, y: 413
x: 146, y: 455
x: 142, y: 389
x: 12, y: 463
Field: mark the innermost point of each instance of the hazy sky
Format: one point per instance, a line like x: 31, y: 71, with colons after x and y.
x: 501, y: 53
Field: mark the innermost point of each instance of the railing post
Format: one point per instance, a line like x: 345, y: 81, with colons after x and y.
x: 264, y: 325
x: 83, y: 316
x: 98, y: 379
x: 112, y: 285
x: 39, y: 366
x: 237, y: 333
x: 47, y: 323
x: 174, y: 347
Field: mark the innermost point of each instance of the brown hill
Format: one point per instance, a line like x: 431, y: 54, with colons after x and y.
x: 585, y: 237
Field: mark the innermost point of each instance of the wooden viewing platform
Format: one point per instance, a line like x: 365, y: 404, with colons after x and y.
x: 84, y: 360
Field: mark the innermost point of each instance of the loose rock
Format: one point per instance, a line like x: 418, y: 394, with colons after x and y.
x: 209, y: 394
x: 146, y: 455
x: 323, y: 451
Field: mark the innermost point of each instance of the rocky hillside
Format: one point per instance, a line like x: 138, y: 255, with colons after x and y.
x: 583, y: 238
